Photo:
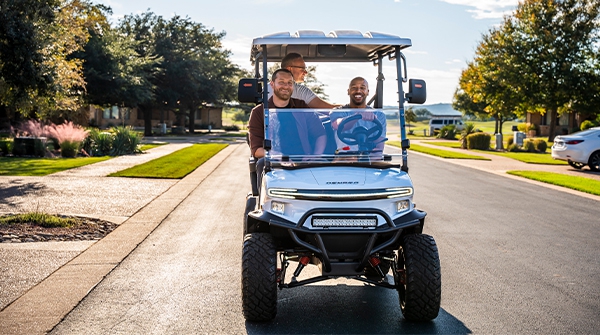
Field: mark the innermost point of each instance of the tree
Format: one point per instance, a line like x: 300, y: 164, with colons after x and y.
x: 194, y: 69
x: 22, y: 43
x: 552, y: 42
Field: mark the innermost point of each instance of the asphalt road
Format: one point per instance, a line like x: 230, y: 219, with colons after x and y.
x: 516, y: 258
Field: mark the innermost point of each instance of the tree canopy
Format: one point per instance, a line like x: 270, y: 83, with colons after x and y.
x: 544, y: 58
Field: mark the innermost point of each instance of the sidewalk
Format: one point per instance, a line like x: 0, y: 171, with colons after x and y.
x: 42, y: 282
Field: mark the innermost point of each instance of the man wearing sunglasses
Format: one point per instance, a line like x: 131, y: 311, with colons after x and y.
x: 294, y: 62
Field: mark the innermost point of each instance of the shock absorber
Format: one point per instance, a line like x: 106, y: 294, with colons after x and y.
x: 301, y: 264
x: 375, y: 261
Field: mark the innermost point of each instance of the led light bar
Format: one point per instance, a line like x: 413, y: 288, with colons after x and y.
x: 344, y: 222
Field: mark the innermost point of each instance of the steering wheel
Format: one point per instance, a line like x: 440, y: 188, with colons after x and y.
x: 360, y: 135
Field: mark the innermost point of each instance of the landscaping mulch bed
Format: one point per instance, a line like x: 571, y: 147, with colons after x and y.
x: 87, y: 229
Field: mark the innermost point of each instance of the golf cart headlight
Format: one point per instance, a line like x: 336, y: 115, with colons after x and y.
x: 286, y: 193
x: 402, y: 205
x: 277, y: 207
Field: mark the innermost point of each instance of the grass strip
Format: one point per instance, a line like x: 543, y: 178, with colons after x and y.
x: 148, y: 146
x: 37, y: 218
x: 21, y: 166
x: 455, y: 144
x: 173, y: 166
x: 438, y: 152
x: 581, y: 184
x: 527, y: 157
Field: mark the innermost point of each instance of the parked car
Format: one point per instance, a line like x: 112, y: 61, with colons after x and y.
x: 579, y: 149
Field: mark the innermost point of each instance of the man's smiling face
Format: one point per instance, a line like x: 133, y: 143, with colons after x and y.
x: 358, y: 92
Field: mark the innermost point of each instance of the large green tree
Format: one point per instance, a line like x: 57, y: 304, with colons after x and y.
x: 194, y: 68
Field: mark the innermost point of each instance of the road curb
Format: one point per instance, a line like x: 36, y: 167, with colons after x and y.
x: 47, y: 303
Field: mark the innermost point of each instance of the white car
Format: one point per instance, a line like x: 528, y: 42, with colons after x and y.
x: 579, y: 149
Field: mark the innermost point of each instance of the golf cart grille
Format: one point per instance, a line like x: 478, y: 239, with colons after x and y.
x: 341, y: 195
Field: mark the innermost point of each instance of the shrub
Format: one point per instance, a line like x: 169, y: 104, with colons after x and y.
x: 231, y: 128
x: 513, y: 148
x: 125, y: 141
x: 540, y: 145
x: 98, y: 143
x: 522, y: 127
x: 468, y: 130
x: 69, y: 137
x: 447, y: 132
x: 510, y: 140
x: 587, y: 124
x: 529, y: 146
x: 6, y: 146
x: 480, y: 141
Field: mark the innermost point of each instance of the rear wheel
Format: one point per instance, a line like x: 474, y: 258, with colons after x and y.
x: 259, y: 280
x: 418, y: 277
x: 594, y: 161
x: 576, y: 165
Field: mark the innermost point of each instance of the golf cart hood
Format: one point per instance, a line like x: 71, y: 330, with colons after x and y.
x: 338, y: 178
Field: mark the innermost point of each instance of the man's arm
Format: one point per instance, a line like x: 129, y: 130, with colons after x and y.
x: 320, y: 103
x: 320, y: 144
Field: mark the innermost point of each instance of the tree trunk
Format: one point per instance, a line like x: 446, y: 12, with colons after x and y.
x: 147, y: 110
x: 552, y: 129
x: 192, y: 124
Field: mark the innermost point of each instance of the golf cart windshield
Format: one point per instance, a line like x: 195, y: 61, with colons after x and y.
x: 351, y: 136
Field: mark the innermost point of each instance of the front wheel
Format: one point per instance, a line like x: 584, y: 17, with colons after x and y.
x: 576, y: 165
x: 259, y: 277
x: 594, y: 161
x: 418, y: 278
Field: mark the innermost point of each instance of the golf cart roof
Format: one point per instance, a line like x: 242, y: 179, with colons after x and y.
x: 337, y: 46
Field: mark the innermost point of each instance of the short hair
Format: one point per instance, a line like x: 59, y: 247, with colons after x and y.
x: 279, y: 71
x: 358, y: 78
x: 289, y: 58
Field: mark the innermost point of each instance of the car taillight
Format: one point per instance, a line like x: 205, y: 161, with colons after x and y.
x: 573, y: 142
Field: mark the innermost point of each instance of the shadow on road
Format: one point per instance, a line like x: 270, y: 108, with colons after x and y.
x: 346, y: 309
x: 18, y: 188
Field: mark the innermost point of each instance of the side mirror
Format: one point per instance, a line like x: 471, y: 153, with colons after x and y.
x: 417, y: 91
x: 250, y: 91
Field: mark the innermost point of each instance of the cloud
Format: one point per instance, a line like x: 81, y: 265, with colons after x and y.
x: 487, y: 9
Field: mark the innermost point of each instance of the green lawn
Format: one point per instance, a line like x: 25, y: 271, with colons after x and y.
x: 527, y: 157
x: 174, y: 166
x: 582, y: 184
x: 149, y: 146
x: 438, y: 152
x: 21, y: 166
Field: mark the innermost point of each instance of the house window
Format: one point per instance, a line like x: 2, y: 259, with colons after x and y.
x: 563, y: 120
x: 115, y: 112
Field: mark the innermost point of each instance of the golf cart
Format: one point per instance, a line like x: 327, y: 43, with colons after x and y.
x: 347, y: 209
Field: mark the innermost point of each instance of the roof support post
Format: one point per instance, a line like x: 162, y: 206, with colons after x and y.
x: 402, y: 116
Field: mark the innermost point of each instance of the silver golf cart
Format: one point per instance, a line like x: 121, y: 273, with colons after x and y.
x: 342, y: 202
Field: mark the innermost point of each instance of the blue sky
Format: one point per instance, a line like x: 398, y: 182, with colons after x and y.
x: 444, y: 33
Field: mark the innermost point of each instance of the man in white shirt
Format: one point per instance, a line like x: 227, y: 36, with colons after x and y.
x: 295, y: 64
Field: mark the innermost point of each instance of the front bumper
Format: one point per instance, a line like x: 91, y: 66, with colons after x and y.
x: 340, y: 245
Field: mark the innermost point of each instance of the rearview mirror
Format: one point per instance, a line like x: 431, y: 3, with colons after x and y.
x: 417, y: 91
x: 250, y: 91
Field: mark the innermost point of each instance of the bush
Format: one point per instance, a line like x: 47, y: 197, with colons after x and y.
x: 529, y: 146
x: 468, y: 130
x: 587, y: 124
x: 69, y: 137
x: 513, y: 148
x: 231, y: 128
x: 125, y: 141
x: 540, y: 145
x: 510, y: 140
x: 480, y: 141
x: 6, y: 146
x: 447, y: 132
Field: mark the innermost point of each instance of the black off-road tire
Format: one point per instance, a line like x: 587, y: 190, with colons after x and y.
x: 421, y: 293
x: 259, y: 281
x: 594, y: 161
x: 250, y: 206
